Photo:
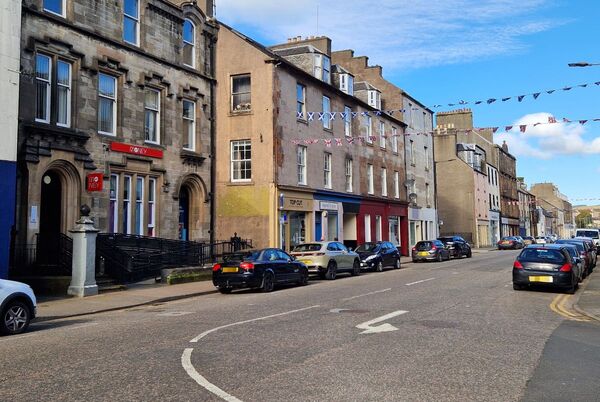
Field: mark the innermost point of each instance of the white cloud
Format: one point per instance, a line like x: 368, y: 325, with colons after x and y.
x: 398, y: 34
x: 545, y: 141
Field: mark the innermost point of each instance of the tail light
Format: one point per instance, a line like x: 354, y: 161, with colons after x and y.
x: 247, y: 266
x: 517, y: 265
x: 216, y: 267
x: 433, y: 248
x: 414, y: 249
x: 566, y: 268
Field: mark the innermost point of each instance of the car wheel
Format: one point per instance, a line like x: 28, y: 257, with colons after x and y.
x: 469, y: 253
x: 356, y: 268
x: 225, y: 290
x: 397, y: 263
x: 517, y: 287
x: 331, y: 271
x: 379, y: 267
x: 439, y: 258
x: 268, y: 283
x: 15, y: 318
x: 303, y: 279
x: 571, y: 289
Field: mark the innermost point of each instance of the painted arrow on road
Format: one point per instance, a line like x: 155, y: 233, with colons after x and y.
x: 370, y: 329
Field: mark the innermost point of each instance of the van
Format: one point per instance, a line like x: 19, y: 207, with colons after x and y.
x: 591, y: 233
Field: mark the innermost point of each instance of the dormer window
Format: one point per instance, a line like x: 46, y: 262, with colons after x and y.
x: 374, y: 99
x: 323, y: 68
x: 347, y: 84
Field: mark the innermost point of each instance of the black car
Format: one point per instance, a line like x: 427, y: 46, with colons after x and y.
x: 262, y: 269
x: 545, y: 265
x: 585, y: 251
x: 510, y: 242
x: 377, y: 255
x: 430, y: 250
x: 457, y: 246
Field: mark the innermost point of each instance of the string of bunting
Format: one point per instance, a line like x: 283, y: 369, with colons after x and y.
x: 372, y: 138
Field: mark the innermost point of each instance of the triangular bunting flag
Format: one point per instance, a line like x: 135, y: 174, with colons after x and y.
x: 299, y: 115
x: 490, y: 101
x: 327, y: 143
x: 478, y: 102
x: 520, y: 97
x: 343, y: 115
x: 332, y: 115
x: 566, y: 120
x: 339, y: 142
x: 505, y: 99
x: 582, y: 85
x: 582, y: 122
x: 378, y: 113
x: 551, y: 119
x: 523, y: 127
x: 350, y: 140
x: 494, y: 129
x: 535, y: 95
x: 567, y: 88
x: 508, y: 128
x: 354, y: 114
x: 550, y: 91
x: 321, y: 116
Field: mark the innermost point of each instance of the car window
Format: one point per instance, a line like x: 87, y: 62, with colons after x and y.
x: 307, y: 247
x: 423, y: 245
x: 283, y: 255
x: 269, y: 255
x: 367, y: 247
x: 445, y: 239
x: 332, y: 247
x: 587, y: 233
x: 542, y: 255
x: 341, y: 247
x: 252, y: 255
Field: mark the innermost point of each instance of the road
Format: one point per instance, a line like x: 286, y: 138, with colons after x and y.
x: 450, y: 331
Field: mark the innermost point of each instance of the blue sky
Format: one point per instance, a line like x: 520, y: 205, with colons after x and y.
x: 445, y: 51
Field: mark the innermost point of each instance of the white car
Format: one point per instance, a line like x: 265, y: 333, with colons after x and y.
x: 18, y: 307
x: 540, y: 240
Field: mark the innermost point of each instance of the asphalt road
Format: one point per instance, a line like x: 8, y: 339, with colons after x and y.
x: 451, y: 331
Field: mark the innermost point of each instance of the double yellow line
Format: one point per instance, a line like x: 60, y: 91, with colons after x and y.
x: 562, y: 305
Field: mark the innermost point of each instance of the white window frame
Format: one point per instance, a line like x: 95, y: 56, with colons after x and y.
x: 127, y: 202
x: 396, y: 184
x: 114, y: 105
x: 301, y: 103
x: 248, y: 105
x: 192, y: 43
x: 427, y: 163
x: 136, y: 19
x: 115, y: 218
x: 301, y: 164
x: 63, y: 8
x: 370, y: 184
x: 326, y: 112
x: 374, y: 99
x: 156, y: 111
x: 378, y: 228
x: 327, y: 170
x: 48, y: 83
x: 382, y: 140
x: 320, y: 71
x: 427, y: 195
x: 348, y: 121
x: 347, y: 84
x: 348, y: 172
x: 369, y: 125
x: 367, y: 228
x: 140, y: 229
x: 68, y: 90
x: 151, y: 207
x: 241, y: 146
x: 394, y: 140
x: 413, y: 156
x: 384, y: 189
x: 191, y: 134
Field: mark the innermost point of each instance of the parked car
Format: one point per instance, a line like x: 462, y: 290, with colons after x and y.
x: 591, y: 233
x: 541, y: 240
x: 583, y: 254
x: 18, y: 307
x: 262, y: 269
x: 327, y: 258
x: 457, y: 246
x: 430, y: 250
x: 510, y: 242
x: 378, y: 255
x: 527, y: 240
x: 547, y: 265
x: 590, y: 251
x: 572, y: 249
x: 592, y: 246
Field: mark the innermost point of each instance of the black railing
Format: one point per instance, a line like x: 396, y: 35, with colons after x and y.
x: 130, y: 258
x: 51, y: 255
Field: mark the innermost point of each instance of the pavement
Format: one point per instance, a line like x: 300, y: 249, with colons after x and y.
x: 148, y: 293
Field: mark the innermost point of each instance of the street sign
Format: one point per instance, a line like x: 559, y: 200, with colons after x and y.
x: 95, y: 181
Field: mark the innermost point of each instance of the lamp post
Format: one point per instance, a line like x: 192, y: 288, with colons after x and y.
x: 583, y: 64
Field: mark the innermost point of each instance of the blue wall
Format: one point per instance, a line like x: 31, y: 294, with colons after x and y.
x: 8, y: 179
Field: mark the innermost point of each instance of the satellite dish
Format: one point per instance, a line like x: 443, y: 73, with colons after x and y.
x: 412, y: 197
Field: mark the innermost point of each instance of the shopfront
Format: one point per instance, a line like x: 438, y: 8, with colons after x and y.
x: 382, y: 221
x: 494, y: 226
x: 295, y: 219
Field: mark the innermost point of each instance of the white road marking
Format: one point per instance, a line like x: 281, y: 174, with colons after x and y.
x: 338, y: 310
x: 174, y: 313
x: 367, y: 294
x: 369, y: 329
x: 424, y: 280
x: 210, y: 331
x: 186, y: 362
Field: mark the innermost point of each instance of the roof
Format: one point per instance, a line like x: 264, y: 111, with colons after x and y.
x: 364, y: 86
x: 303, y: 49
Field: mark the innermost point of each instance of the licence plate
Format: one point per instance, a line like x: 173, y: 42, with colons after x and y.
x: 505, y: 242
x: 423, y: 253
x: 307, y: 262
x: 229, y: 269
x: 546, y: 279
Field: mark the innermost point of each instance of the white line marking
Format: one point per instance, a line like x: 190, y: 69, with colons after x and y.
x: 369, y: 329
x: 367, y: 294
x: 338, y: 310
x: 174, y: 313
x: 424, y: 280
x: 210, y: 331
x: 186, y: 362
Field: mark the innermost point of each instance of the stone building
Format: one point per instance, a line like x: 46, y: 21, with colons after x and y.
x: 462, y: 156
x: 302, y: 153
x: 116, y: 112
x: 509, y: 198
x: 418, y: 147
x: 551, y: 199
x: 527, y: 210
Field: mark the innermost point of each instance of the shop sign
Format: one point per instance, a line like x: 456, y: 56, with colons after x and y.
x: 136, y: 150
x: 494, y: 215
x: 95, y: 181
x: 297, y: 204
x: 329, y: 206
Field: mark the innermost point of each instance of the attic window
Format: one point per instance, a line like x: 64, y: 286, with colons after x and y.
x: 374, y: 99
x: 347, y: 84
x: 323, y: 68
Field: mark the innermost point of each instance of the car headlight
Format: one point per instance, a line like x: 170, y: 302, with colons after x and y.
x: 371, y: 258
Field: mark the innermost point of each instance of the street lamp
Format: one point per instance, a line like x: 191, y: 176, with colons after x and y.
x: 583, y: 64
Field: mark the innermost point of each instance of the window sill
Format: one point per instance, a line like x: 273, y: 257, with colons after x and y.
x: 107, y: 134
x: 303, y: 121
x: 241, y: 183
x: 413, y: 164
x: 241, y: 113
x: 329, y: 130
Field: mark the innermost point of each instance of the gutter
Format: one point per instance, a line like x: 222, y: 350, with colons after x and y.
x: 213, y: 138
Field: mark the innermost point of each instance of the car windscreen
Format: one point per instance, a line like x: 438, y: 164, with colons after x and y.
x: 542, y: 255
x: 578, y: 244
x: 423, y: 245
x: 446, y: 239
x: 242, y: 256
x: 587, y: 233
x: 307, y: 247
x: 508, y: 238
x: 367, y: 248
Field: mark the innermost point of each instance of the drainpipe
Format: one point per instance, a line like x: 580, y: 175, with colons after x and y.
x: 213, y: 138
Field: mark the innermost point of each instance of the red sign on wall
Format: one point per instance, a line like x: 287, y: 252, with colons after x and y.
x: 94, y: 181
x: 136, y: 150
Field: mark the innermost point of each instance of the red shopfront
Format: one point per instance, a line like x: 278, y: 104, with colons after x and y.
x: 387, y: 221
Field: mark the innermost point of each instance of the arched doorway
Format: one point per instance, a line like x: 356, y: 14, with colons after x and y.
x: 184, y: 213
x: 48, y: 241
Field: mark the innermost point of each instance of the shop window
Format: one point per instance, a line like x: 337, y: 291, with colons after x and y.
x: 113, y: 204
x: 367, y: 228
x: 378, y: 228
x: 151, y: 207
x: 127, y: 205
x: 139, y: 206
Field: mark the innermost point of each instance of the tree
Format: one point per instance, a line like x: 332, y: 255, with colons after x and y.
x: 584, y: 218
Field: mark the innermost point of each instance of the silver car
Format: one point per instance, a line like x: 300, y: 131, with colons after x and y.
x: 327, y: 258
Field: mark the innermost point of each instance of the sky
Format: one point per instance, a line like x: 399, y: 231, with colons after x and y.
x: 446, y: 51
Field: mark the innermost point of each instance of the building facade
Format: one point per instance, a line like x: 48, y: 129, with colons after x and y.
x: 527, y: 214
x: 117, y: 114
x: 303, y: 155
x: 551, y: 199
x: 594, y: 218
x: 509, y: 198
x: 418, y: 147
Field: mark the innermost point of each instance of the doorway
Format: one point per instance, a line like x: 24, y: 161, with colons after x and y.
x: 48, y: 241
x: 184, y: 213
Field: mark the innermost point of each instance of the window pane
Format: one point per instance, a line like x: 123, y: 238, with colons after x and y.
x: 241, y: 84
x: 188, y: 31
x: 129, y: 30
x: 130, y: 7
x: 105, y: 115
x: 188, y: 54
x: 63, y: 73
x: 63, y: 105
x: 150, y: 125
x: 151, y: 100
x: 41, y: 101
x: 106, y: 85
x: 42, y: 68
x: 54, y: 5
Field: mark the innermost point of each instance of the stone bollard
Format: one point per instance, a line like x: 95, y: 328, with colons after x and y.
x: 83, y: 279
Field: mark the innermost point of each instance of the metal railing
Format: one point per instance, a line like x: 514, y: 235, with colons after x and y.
x: 50, y: 255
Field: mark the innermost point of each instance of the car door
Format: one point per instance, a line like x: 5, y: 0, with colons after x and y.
x: 390, y: 257
x: 335, y: 254
x: 347, y: 258
x: 272, y: 261
x: 289, y: 268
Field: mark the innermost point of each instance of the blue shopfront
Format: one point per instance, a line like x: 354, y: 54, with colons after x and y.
x: 336, y: 217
